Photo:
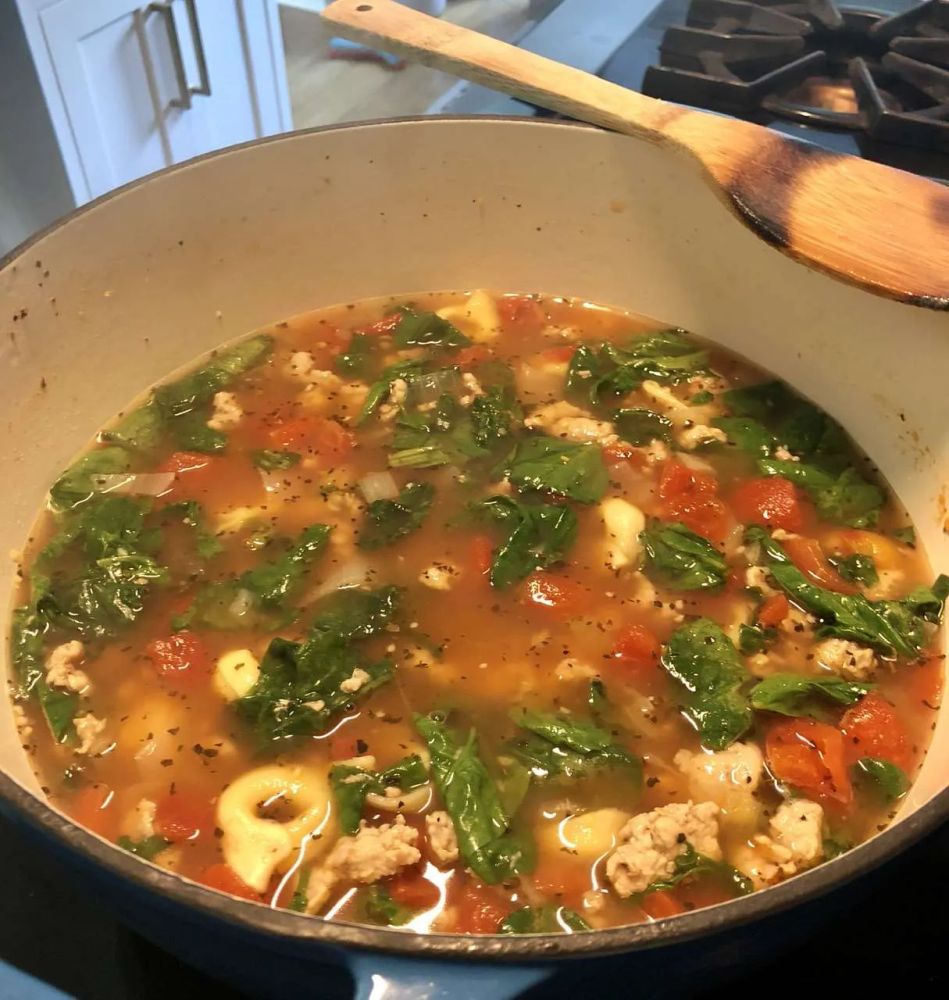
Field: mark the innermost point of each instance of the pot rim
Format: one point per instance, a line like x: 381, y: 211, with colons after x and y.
x: 258, y: 918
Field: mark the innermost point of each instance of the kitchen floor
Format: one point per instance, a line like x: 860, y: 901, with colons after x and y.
x: 324, y: 90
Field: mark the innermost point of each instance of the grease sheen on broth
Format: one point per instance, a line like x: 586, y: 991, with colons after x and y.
x: 477, y: 613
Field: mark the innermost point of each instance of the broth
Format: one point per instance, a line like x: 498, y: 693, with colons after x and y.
x: 477, y: 613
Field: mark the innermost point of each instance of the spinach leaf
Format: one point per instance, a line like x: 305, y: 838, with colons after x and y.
x: 564, y: 468
x: 444, y: 436
x: 427, y: 329
x: 198, y: 388
x: 387, y: 521
x: 379, y: 389
x: 380, y: 908
x: 887, y: 780
x: 27, y: 634
x: 543, y: 920
x: 148, y: 848
x: 351, y: 785
x: 275, y: 461
x: 207, y: 544
x: 896, y: 627
x: 76, y: 485
x: 59, y: 709
x: 536, y: 536
x: 702, y: 658
x: 604, y: 370
x: 495, y: 416
x: 754, y: 638
x: 299, y: 899
x: 108, y: 598
x: 828, y: 466
x: 559, y: 746
x: 798, y: 694
x: 834, y: 846
x: 856, y: 568
x: 690, y: 864
x: 746, y: 434
x: 800, y: 426
x: 299, y: 690
x: 640, y: 426
x: 108, y: 592
x: 473, y: 802
x: 354, y: 362
x: 701, y: 398
x: 906, y: 535
x: 680, y: 558
x: 191, y: 433
x: 140, y: 430
x: 845, y: 497
x: 260, y: 597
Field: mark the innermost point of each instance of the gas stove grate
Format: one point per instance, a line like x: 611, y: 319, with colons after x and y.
x: 815, y: 63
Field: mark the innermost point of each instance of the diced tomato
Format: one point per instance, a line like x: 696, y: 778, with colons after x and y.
x: 520, y: 311
x: 555, y: 595
x: 472, y: 355
x: 637, y: 651
x: 223, y: 878
x: 735, y: 581
x: 326, y: 439
x: 562, y: 877
x: 871, y: 728
x: 691, y: 497
x: 346, y: 742
x: 662, y: 903
x: 181, y: 658
x: 774, y: 610
x: 563, y: 352
x: 479, y: 909
x: 382, y: 326
x: 481, y: 553
x: 184, y: 815
x: 810, y: 756
x: 412, y: 889
x: 91, y: 808
x: 771, y: 501
x: 809, y: 558
x: 194, y: 475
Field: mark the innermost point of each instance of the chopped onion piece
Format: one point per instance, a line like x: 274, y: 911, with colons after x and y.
x: 378, y: 486
x: 274, y: 480
x: 355, y: 573
x: 429, y: 387
x: 144, y: 484
x: 242, y: 603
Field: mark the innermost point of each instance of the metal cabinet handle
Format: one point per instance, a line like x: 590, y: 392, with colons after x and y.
x: 204, y: 88
x: 185, y: 91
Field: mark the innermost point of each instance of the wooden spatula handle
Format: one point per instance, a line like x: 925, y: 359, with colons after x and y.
x: 877, y: 227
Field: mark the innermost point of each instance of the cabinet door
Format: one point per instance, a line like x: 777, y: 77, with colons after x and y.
x: 97, y: 58
x: 121, y: 85
x: 241, y: 54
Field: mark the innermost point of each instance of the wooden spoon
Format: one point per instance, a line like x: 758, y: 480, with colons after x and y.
x: 874, y: 226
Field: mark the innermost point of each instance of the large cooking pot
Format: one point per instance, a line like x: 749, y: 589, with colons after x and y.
x: 142, y: 281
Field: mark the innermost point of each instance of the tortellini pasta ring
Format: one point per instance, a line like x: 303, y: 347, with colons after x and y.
x: 253, y: 845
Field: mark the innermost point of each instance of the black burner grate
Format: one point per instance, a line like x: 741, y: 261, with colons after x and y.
x: 815, y: 63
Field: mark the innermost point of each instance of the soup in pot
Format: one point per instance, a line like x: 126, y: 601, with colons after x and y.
x: 477, y: 613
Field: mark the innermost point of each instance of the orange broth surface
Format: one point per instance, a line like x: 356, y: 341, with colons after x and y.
x: 150, y: 735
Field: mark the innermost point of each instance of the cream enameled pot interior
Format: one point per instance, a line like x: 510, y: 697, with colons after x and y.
x: 148, y: 279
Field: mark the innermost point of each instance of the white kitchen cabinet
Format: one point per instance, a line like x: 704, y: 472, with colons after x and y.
x: 133, y: 87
